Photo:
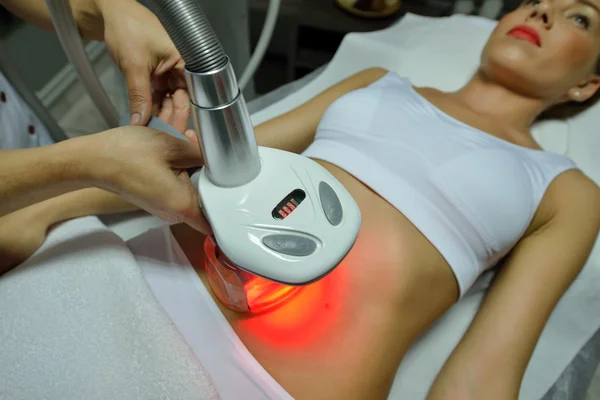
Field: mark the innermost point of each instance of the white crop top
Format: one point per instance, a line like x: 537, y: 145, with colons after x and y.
x: 471, y: 194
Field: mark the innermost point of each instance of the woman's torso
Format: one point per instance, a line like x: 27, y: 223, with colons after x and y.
x: 344, y: 336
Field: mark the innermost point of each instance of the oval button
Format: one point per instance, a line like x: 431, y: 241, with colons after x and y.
x: 332, y: 207
x: 291, y: 245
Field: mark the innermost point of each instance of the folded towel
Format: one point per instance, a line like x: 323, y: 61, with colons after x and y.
x: 78, y: 322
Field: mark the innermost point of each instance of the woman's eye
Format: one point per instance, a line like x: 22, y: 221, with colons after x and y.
x: 532, y: 3
x: 582, y: 20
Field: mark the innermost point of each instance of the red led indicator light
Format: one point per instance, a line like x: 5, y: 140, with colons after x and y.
x: 288, y: 204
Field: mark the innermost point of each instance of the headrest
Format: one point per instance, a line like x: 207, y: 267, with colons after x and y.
x: 444, y: 53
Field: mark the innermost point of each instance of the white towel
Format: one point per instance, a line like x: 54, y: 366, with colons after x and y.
x: 78, y: 322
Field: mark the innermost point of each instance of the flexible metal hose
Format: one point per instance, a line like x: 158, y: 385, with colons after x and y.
x: 68, y: 34
x: 191, y: 33
x: 221, y: 118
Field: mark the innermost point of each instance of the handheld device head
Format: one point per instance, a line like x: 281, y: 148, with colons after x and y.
x: 280, y: 220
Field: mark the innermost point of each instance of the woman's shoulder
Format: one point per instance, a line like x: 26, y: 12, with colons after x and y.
x: 571, y: 203
x: 577, y: 182
x: 573, y: 192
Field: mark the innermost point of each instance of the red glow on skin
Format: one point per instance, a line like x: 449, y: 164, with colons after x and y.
x: 308, y: 320
x: 263, y: 294
x: 320, y: 311
x: 302, y: 320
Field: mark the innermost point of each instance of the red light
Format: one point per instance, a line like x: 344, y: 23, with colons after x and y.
x: 282, y: 213
x: 304, y: 319
x: 239, y: 290
x: 287, y: 210
x: 291, y: 206
x: 262, y: 294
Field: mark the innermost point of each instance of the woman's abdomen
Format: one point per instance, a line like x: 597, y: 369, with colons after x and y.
x: 344, y: 336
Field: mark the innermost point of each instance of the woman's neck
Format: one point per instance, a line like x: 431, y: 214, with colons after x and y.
x: 512, y: 110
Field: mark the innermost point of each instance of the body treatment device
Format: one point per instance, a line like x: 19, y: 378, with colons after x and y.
x: 280, y: 220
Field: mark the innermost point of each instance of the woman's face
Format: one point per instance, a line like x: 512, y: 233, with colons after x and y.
x: 547, y: 49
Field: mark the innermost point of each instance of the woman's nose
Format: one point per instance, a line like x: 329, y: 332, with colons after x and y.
x: 543, y: 12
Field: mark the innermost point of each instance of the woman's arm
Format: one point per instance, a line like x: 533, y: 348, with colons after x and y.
x: 491, y: 359
x: 23, y: 232
x: 85, y: 202
x: 295, y: 130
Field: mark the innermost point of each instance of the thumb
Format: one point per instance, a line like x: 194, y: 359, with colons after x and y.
x: 193, y: 215
x: 197, y: 221
x: 140, y: 95
x: 191, y: 135
x: 184, y: 154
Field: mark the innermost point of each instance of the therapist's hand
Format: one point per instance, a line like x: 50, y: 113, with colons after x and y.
x: 147, y: 168
x: 152, y: 66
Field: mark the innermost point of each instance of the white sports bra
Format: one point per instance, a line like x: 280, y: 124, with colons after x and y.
x: 471, y: 194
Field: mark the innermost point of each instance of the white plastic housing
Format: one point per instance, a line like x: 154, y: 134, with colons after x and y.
x: 241, y: 217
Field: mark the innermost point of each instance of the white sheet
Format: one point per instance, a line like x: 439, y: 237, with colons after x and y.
x: 77, y: 321
x: 237, y: 375
x: 401, y: 48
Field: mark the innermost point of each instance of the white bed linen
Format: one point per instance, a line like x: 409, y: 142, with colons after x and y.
x: 78, y: 321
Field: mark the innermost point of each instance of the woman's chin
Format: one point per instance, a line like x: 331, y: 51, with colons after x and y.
x: 515, y: 77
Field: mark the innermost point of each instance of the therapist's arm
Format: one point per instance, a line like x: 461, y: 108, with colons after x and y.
x: 144, y: 166
x: 137, y: 42
x: 29, y: 176
x: 491, y: 359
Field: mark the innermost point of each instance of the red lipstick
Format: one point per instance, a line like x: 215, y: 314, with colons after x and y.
x: 526, y: 32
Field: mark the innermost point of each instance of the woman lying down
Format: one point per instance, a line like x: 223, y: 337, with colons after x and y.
x: 449, y: 185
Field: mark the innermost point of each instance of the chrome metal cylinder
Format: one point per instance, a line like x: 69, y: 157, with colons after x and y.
x: 223, y: 126
x: 219, y: 111
x: 214, y: 88
x: 227, y: 142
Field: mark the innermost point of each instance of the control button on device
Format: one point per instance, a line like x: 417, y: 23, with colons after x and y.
x: 332, y: 207
x: 291, y: 245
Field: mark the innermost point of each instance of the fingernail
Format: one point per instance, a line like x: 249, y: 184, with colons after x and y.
x: 135, y: 119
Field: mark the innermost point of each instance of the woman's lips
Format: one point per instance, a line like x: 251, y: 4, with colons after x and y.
x: 527, y: 33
